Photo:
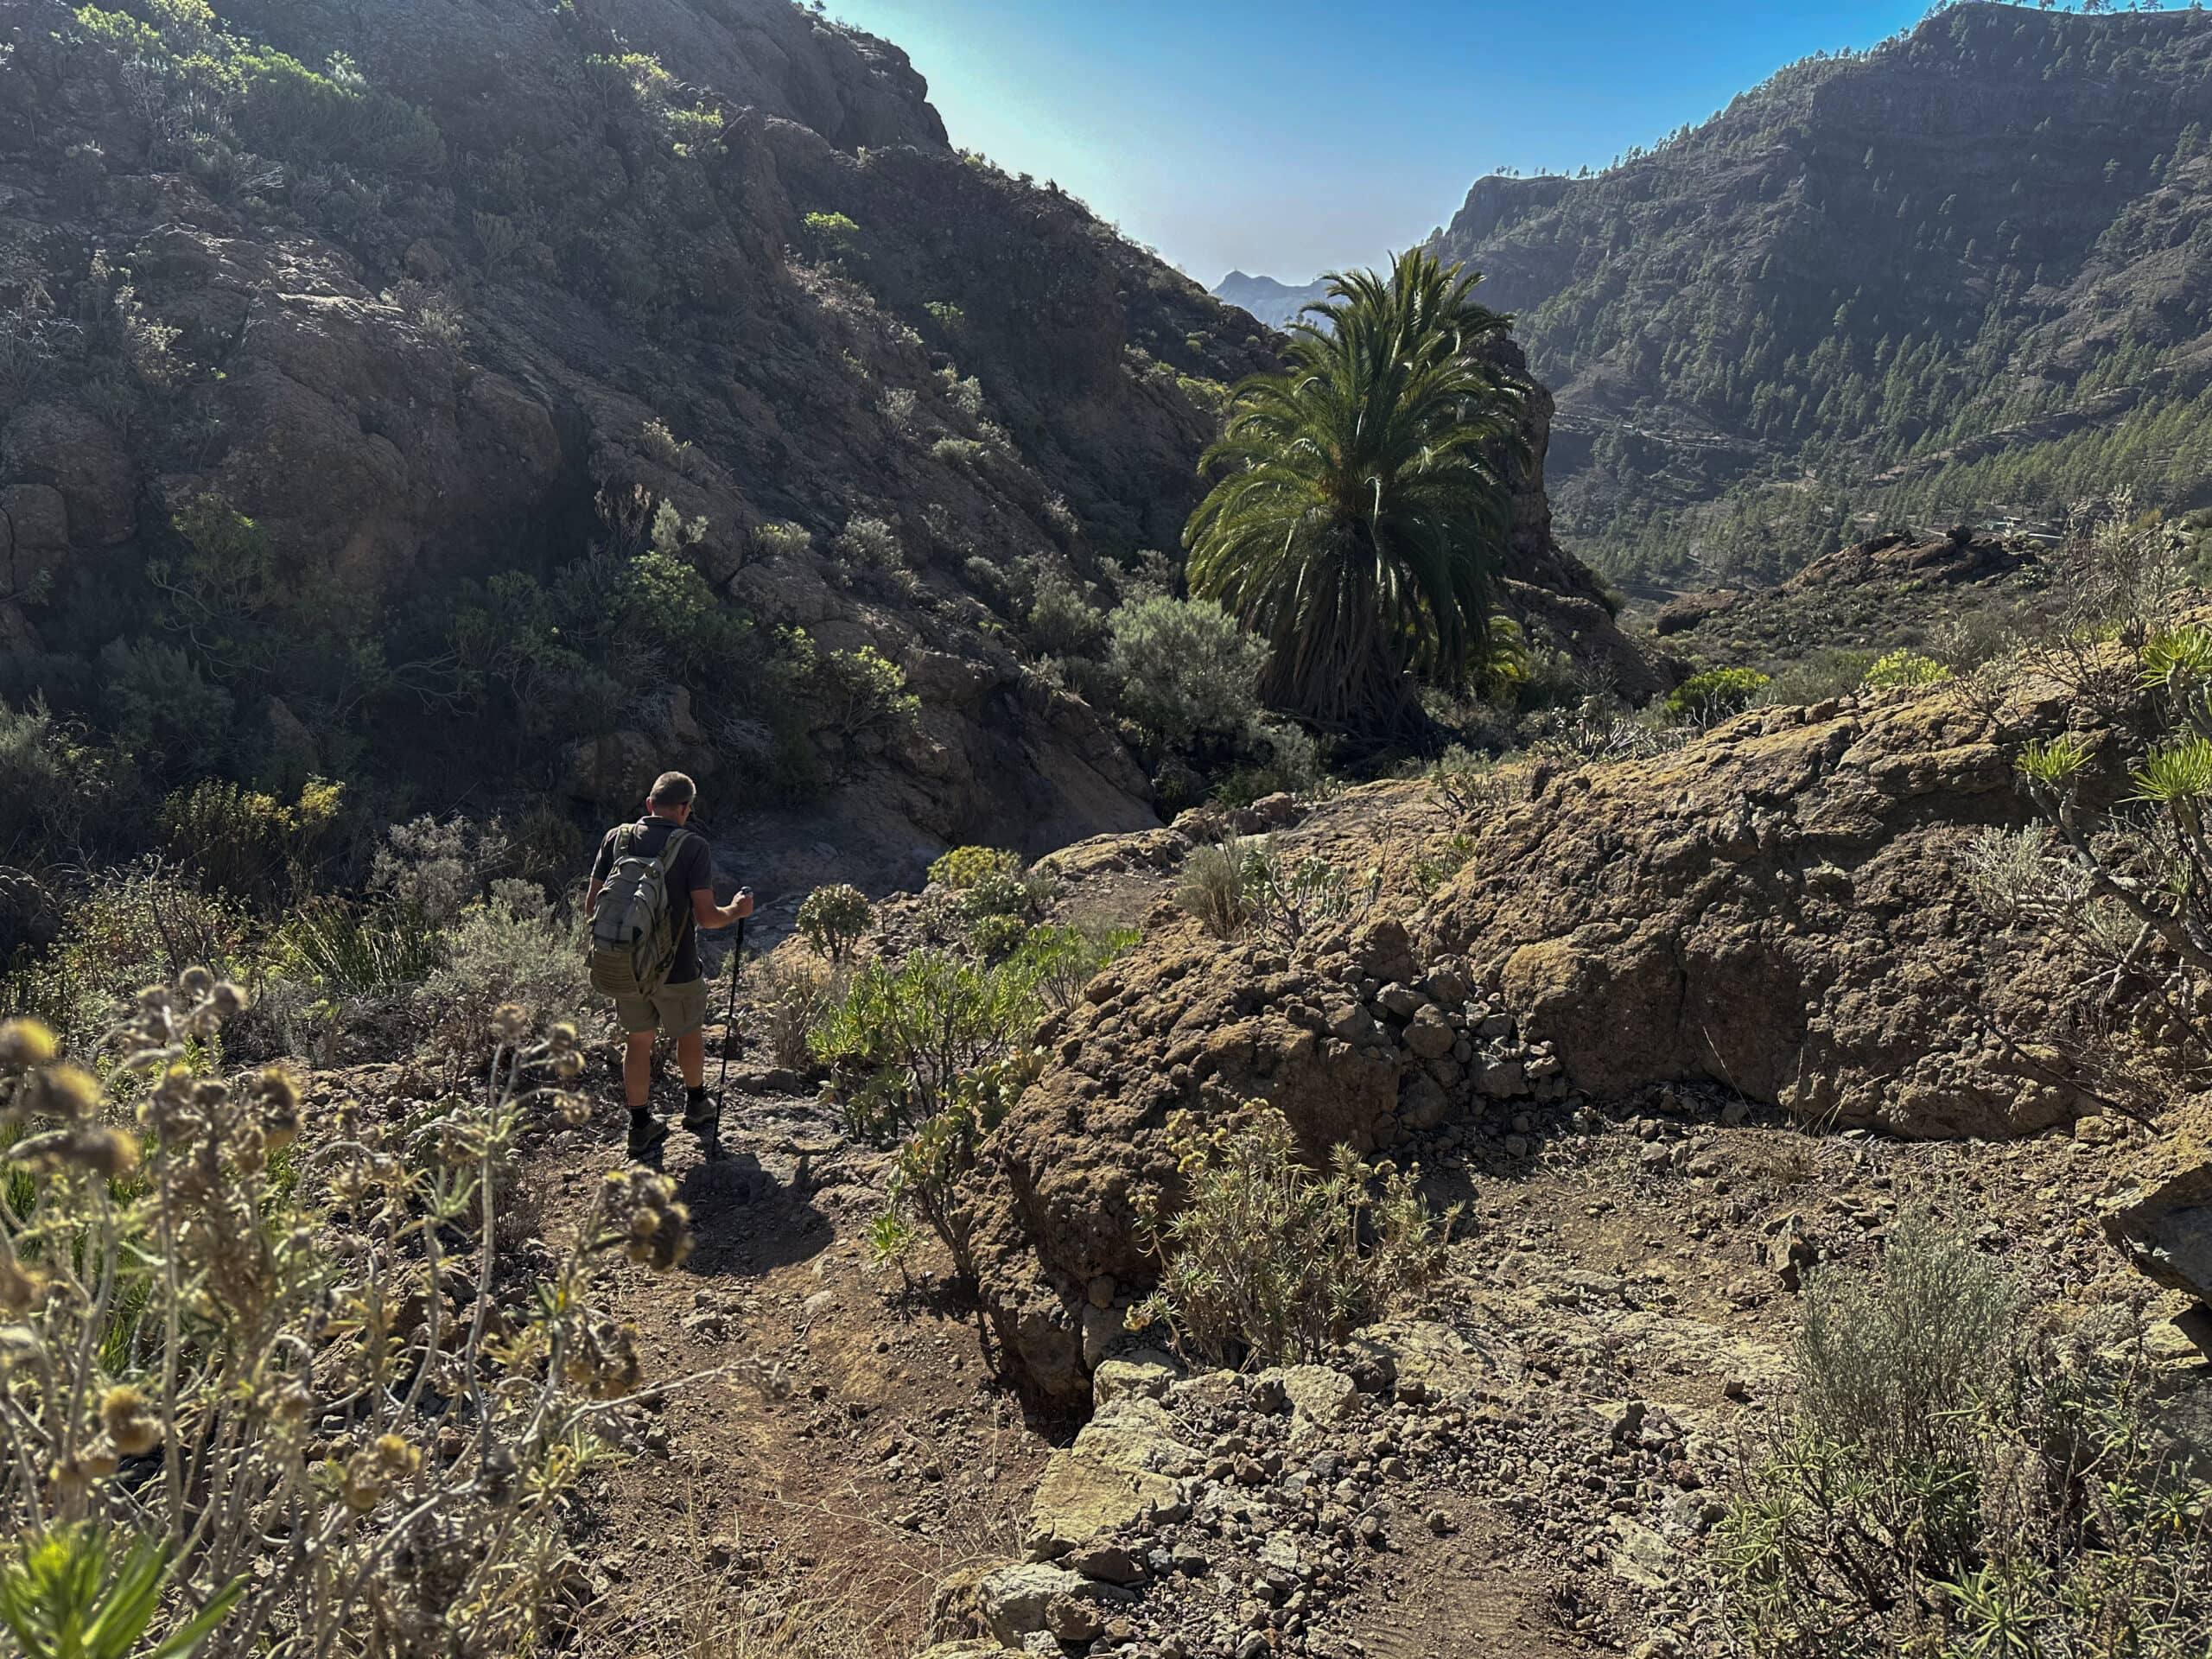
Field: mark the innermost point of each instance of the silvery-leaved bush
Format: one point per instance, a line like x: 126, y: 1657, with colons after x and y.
x: 272, y: 1359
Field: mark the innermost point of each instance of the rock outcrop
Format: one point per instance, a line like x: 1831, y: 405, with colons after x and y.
x: 1781, y: 907
x: 1356, y: 1044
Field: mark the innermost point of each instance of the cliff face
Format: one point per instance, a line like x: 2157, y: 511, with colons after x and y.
x: 1971, y: 268
x: 409, y: 288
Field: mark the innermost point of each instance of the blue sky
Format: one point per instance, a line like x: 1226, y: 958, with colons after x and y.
x: 1292, y: 137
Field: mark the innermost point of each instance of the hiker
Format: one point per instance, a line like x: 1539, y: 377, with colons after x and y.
x: 657, y: 880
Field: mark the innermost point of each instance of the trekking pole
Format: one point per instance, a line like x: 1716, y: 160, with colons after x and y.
x: 729, y: 1026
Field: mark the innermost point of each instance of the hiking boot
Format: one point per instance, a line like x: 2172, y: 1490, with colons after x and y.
x: 702, y: 1117
x: 648, y: 1139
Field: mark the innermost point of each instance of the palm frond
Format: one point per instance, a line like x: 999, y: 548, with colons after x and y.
x: 1363, y: 497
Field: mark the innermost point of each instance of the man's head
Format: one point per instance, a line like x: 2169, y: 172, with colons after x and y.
x: 672, y: 796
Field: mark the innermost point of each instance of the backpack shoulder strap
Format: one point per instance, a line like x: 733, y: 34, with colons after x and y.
x: 671, y: 847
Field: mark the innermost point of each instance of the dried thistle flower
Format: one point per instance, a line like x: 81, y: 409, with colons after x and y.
x: 131, y: 1420
x: 603, y: 1361
x: 24, y: 1043
x: 63, y: 1090
x: 229, y: 1001
x: 109, y: 1153
x: 373, y: 1472
x: 21, y: 1288
x: 573, y: 1110
x: 75, y: 1476
x: 278, y: 1096
x: 511, y: 1022
x: 196, y: 982
x: 95, y: 1148
x: 653, y: 1229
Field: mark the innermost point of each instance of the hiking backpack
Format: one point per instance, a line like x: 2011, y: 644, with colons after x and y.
x: 635, y: 930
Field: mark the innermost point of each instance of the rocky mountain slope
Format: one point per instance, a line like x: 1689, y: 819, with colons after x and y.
x: 1966, y: 272
x: 351, y: 359
x: 409, y: 289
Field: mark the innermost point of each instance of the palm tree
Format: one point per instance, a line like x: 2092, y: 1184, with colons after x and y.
x: 1363, y: 500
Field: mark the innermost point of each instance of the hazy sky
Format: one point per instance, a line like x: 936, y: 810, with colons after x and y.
x: 1288, y: 136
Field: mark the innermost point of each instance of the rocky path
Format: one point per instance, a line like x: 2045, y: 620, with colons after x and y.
x: 1522, y: 1476
x: 847, y: 1450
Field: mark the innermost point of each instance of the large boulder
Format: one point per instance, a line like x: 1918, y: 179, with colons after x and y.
x: 1781, y: 907
x: 2160, y: 1213
x: 1123, y: 1473
x: 1183, y: 1023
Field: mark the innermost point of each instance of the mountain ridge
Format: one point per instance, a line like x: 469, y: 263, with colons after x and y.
x: 1991, y: 221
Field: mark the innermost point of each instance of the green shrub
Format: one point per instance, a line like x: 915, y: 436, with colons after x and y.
x: 833, y: 919
x: 1291, y: 764
x: 1904, y: 668
x: 55, y: 791
x: 702, y: 640
x: 509, y: 948
x: 1211, y: 890
x: 287, y: 109
x: 1262, y: 1259
x: 832, y: 237
x: 77, y: 1592
x: 997, y: 935
x: 1247, y: 885
x: 1059, y: 962
x: 346, y: 949
x: 778, y: 541
x: 1715, y: 695
x: 1826, y: 674
x: 793, y: 996
x: 1188, y: 673
x: 1287, y: 901
x: 966, y: 866
x: 870, y: 545
x: 855, y: 698
x: 903, y: 1036
x: 437, y: 868
x: 159, y: 705
x: 1062, y: 622
x: 145, y: 923
x: 1471, y: 785
x: 247, y: 842
x: 927, y: 1178
x: 1951, y: 1482
x: 1433, y: 868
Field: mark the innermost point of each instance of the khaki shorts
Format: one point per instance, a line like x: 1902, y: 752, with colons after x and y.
x: 673, y: 1010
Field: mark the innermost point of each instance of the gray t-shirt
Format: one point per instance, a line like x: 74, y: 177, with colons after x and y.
x: 692, y: 872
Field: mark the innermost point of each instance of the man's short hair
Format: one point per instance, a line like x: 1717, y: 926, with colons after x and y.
x: 673, y: 789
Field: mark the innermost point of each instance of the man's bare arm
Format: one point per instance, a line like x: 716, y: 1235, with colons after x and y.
x: 711, y: 915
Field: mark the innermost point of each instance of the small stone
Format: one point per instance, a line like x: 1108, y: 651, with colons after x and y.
x: 1072, y: 1618
x: 1402, y: 1000
x: 1440, y: 1521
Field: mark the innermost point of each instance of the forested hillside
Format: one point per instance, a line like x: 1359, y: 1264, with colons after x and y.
x: 1967, y: 274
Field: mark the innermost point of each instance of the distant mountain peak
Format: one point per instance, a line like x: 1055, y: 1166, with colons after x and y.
x: 1275, y: 304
